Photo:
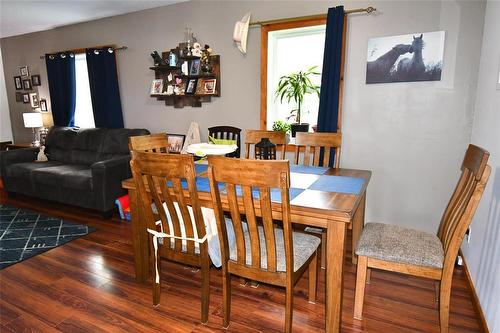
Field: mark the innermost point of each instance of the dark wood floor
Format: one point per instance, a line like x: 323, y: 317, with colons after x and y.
x: 88, y: 285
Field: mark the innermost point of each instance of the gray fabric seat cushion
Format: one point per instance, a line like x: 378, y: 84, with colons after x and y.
x: 402, y: 245
x: 68, y: 175
x: 24, y: 170
x: 304, y: 246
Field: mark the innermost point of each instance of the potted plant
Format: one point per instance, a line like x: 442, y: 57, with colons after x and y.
x: 295, y: 87
x: 281, y: 126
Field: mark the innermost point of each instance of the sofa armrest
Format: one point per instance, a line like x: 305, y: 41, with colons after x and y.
x: 17, y: 156
x: 107, y: 177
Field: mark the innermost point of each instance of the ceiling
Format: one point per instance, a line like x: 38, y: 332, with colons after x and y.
x: 19, y: 17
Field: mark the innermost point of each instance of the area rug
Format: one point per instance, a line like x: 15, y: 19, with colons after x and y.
x: 25, y: 233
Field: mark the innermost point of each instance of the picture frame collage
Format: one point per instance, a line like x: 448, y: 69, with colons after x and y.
x: 24, y: 85
x: 189, y: 81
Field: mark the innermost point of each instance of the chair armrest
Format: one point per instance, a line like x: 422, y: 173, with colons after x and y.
x: 107, y: 177
x: 17, y: 156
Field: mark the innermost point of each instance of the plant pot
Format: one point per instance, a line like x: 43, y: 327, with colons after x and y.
x: 303, y: 127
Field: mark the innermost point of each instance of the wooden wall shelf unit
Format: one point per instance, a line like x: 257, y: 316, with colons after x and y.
x: 169, y: 74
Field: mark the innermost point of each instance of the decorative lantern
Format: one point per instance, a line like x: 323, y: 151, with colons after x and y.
x: 265, y: 150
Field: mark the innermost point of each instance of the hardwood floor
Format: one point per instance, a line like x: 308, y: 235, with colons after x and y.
x: 88, y: 285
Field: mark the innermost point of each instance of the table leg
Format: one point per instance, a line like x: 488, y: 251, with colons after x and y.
x: 336, y: 235
x: 357, y: 226
x: 139, y: 239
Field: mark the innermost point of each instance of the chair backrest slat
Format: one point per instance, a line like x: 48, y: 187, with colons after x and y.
x: 227, y: 133
x: 252, y: 137
x: 253, y: 177
x: 157, y: 143
x: 319, y: 142
x: 159, y: 177
x: 464, y: 201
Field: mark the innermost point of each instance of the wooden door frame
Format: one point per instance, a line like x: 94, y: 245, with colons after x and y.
x: 265, y: 29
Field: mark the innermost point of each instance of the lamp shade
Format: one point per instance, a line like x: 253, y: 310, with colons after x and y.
x: 33, y: 120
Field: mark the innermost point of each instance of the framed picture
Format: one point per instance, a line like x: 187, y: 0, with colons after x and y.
x: 180, y: 86
x: 195, y: 67
x: 157, y: 87
x: 18, y: 83
x: 26, y: 98
x: 175, y: 142
x: 405, y: 58
x: 27, y: 84
x: 185, y: 68
x: 24, y: 71
x: 35, y: 103
x: 170, y: 90
x: 43, y: 105
x: 191, y: 86
x: 172, y: 59
x: 19, y: 96
x: 35, y: 80
x: 209, y: 86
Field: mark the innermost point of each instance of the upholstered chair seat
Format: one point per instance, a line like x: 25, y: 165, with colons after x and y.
x: 401, y: 245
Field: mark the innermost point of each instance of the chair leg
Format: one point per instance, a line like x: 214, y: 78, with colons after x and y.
x: 226, y: 297
x: 155, y: 265
x: 289, y: 308
x: 205, y: 289
x: 323, y: 249
x: 360, y: 287
x: 368, y: 275
x: 313, y: 276
x: 444, y: 303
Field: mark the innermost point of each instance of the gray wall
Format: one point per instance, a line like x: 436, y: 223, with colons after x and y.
x: 411, y: 135
x: 5, y: 129
x: 482, y: 254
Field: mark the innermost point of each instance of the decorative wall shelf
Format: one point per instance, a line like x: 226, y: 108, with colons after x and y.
x: 207, y: 81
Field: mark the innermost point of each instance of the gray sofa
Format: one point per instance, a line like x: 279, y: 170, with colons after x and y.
x: 85, y: 167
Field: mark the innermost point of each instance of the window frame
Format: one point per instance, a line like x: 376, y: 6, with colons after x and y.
x: 265, y: 29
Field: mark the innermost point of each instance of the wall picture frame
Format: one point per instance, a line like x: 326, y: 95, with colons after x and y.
x: 175, y: 142
x: 209, y: 86
x: 34, y: 101
x: 27, y: 84
x: 191, y: 86
x: 43, y: 105
x: 157, y: 87
x: 18, y: 83
x: 194, y: 69
x: 35, y: 80
x: 19, y: 96
x: 26, y: 98
x: 24, y: 71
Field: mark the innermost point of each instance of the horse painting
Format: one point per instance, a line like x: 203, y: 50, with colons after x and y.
x: 405, y: 58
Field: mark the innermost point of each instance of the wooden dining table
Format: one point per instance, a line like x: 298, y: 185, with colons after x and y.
x: 330, y: 198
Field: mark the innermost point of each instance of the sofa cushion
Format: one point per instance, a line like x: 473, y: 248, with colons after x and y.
x: 116, y: 141
x: 24, y: 170
x: 87, y: 146
x: 70, y: 176
x: 59, y: 143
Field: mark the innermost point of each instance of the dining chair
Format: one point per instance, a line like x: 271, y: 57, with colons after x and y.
x: 260, y: 252
x: 227, y: 133
x: 252, y: 137
x: 312, y: 144
x: 181, y: 228
x: 157, y: 143
x: 398, y: 249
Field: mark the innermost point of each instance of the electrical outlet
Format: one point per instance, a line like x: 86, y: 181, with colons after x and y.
x: 467, y: 235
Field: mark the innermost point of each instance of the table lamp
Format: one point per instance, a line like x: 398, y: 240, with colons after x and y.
x: 33, y: 120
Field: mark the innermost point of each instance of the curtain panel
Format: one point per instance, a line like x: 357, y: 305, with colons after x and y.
x: 328, y: 114
x: 104, y: 89
x: 62, y: 87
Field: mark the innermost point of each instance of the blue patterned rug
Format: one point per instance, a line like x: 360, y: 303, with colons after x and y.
x: 24, y: 234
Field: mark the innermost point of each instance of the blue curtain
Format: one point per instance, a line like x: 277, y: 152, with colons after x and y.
x: 103, y: 79
x: 62, y: 87
x: 328, y: 113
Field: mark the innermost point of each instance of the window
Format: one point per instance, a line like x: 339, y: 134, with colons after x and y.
x: 288, y: 48
x: 84, y: 115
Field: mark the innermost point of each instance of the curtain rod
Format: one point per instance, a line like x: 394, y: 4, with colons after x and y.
x: 310, y: 17
x: 83, y: 50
